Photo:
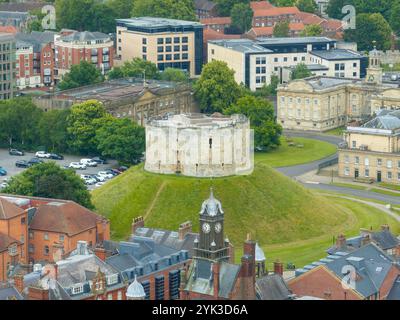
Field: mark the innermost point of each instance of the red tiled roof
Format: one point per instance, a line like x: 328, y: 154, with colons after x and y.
x: 8, y: 29
x: 332, y: 24
x: 261, y: 5
x: 276, y: 11
x: 210, y: 34
x: 309, y: 18
x: 64, y: 217
x: 9, y: 210
x: 216, y: 20
x: 6, y: 241
x: 268, y: 31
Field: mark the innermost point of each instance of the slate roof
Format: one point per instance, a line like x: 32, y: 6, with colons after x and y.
x: 388, y: 121
x: 22, y: 6
x: 385, y: 239
x: 394, y: 293
x: 85, y: 36
x: 8, y: 292
x: 64, y: 217
x: 9, y: 210
x: 205, y: 5
x: 337, y: 54
x: 272, y: 287
x: 36, y: 39
x: 372, y: 266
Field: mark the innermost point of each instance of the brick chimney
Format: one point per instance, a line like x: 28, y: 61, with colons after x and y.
x: 385, y: 227
x: 231, y: 252
x: 366, y: 239
x: 19, y: 282
x: 341, y: 241
x: 138, y: 222
x: 184, y: 229
x: 215, y: 271
x: 278, y: 267
x: 248, y: 270
x: 36, y: 293
x: 100, y: 253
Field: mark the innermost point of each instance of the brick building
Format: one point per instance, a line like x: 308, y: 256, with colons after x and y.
x: 205, y: 9
x: 49, y: 229
x: 217, y: 23
x: 72, y: 47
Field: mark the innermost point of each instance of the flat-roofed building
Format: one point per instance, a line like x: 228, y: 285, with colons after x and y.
x: 168, y: 43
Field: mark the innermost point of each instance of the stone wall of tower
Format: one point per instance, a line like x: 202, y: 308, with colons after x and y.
x: 204, y: 151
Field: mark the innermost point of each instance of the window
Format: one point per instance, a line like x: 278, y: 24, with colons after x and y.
x: 177, y: 48
x: 77, y: 289
x: 354, y: 144
x: 168, y: 57
x: 185, y: 56
x: 99, y: 285
x: 23, y: 220
x: 184, y: 48
x: 168, y: 40
x: 346, y: 159
x: 366, y: 161
x: 379, y: 162
x: 276, y: 59
x: 160, y: 40
x: 357, y: 160
x: 46, y: 236
x: 398, y: 164
x: 354, y: 74
x: 177, y: 56
x: 168, y: 48
x: 61, y: 237
x: 144, y: 41
x: 185, y: 39
x: 389, y: 164
x: 177, y: 40
x: 303, y: 58
x: 112, y: 279
x: 160, y: 57
x: 30, y: 234
x: 160, y: 49
x: 109, y: 296
x: 285, y: 59
x: 46, y: 250
x: 12, y: 250
x: 119, y: 295
x: 295, y: 59
x: 31, y: 248
x: 258, y: 70
x: 366, y: 173
x: 389, y: 175
x: 355, y: 64
x: 144, y: 49
x: 346, y: 171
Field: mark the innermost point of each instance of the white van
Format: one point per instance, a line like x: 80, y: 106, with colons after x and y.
x: 89, y: 162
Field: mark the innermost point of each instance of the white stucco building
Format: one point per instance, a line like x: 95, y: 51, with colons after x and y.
x: 199, y: 145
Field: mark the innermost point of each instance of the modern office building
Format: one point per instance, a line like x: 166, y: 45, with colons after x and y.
x: 7, y: 65
x: 255, y: 61
x: 166, y: 42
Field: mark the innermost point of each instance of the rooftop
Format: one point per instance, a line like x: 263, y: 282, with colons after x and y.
x: 85, y: 36
x: 296, y: 40
x: 337, y: 54
x: 155, y: 22
x: 241, y: 45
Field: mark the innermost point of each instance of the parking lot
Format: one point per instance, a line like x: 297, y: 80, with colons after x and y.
x: 8, y: 163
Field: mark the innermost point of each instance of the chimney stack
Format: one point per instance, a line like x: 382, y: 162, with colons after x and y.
x: 248, y: 270
x: 278, y: 267
x: 366, y: 239
x: 19, y: 282
x: 385, y: 227
x: 100, y: 253
x: 341, y: 241
x: 36, y: 293
x: 215, y: 270
x: 184, y: 229
x: 138, y: 222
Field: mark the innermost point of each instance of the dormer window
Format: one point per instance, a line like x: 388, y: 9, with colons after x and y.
x: 77, y: 289
x: 112, y: 279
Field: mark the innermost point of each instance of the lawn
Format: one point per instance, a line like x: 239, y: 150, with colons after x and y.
x: 286, y: 155
x: 394, y: 187
x: 304, y: 252
x: 336, y: 132
x: 385, y: 192
x: 349, y: 185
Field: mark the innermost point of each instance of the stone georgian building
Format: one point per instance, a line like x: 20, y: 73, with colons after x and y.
x: 322, y: 103
x: 371, y: 151
x: 129, y: 97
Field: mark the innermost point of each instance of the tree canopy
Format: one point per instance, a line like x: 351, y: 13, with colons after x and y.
x: 300, y: 72
x: 81, y: 74
x: 312, y: 30
x: 241, y: 17
x: 137, y: 67
x: 172, y: 9
x: 281, y: 29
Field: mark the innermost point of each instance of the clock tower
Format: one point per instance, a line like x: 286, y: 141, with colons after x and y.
x: 374, y: 71
x: 211, y: 244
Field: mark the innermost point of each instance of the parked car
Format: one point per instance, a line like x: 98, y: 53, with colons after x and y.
x: 56, y: 156
x: 89, y: 162
x: 112, y: 172
x: 3, y: 185
x: 105, y: 174
x: 88, y: 179
x: 3, y: 172
x: 99, y: 184
x: 42, y: 154
x: 22, y: 164
x: 16, y: 152
x: 98, y: 178
x: 35, y: 161
x: 77, y: 165
x: 100, y: 160
x: 123, y: 168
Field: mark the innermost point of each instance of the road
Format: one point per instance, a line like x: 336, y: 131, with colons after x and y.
x: 299, y: 170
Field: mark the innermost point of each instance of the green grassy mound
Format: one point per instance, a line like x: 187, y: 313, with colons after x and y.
x: 269, y: 205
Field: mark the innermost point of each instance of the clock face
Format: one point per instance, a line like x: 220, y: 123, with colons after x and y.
x: 206, y: 228
x: 218, y: 228
x: 371, y: 78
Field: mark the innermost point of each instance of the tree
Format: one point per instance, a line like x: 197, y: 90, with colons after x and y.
x: 268, y: 90
x: 261, y: 115
x: 300, y: 72
x: 121, y: 139
x: 216, y: 89
x: 53, y: 130
x: 135, y: 68
x: 81, y: 74
x: 49, y: 180
x: 122, y: 8
x: 172, y: 9
x: 307, y: 5
x: 334, y: 9
x: 242, y: 17
x: 312, y: 30
x: 224, y: 7
x: 83, y: 121
x: 370, y: 28
x: 172, y: 74
x: 394, y: 18
x: 281, y: 29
